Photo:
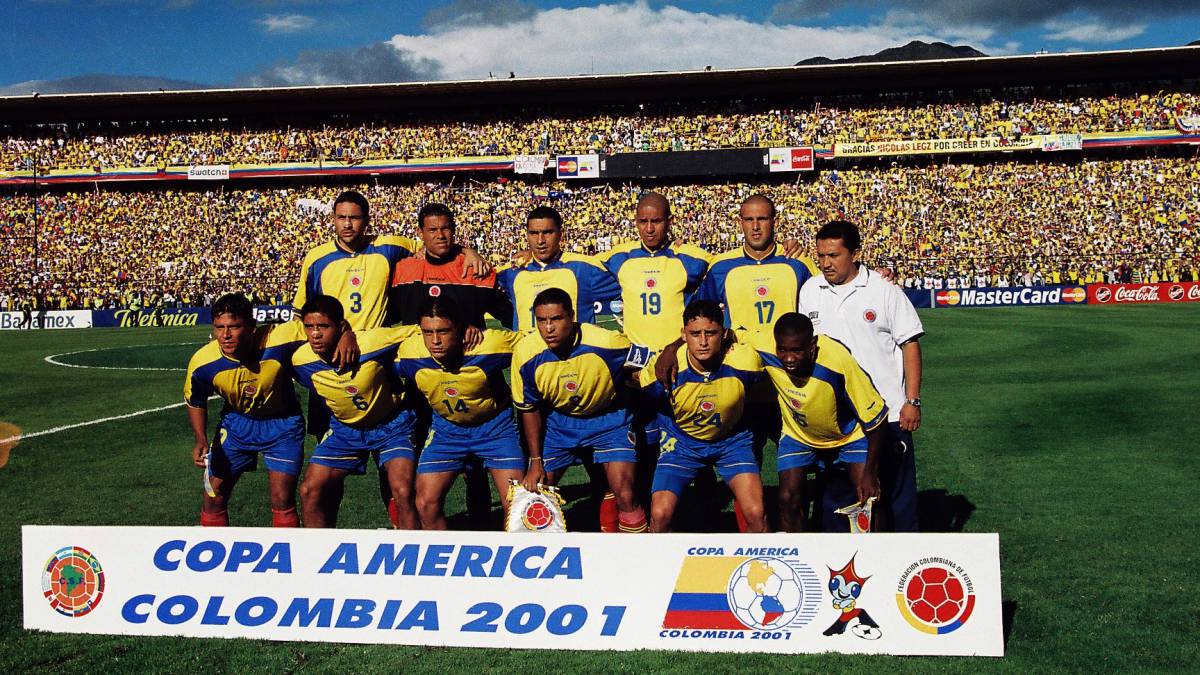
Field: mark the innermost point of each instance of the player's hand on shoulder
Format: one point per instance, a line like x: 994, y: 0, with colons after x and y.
x: 475, y: 263
x: 347, y: 352
x: 666, y: 367
x: 472, y: 337
x: 520, y: 258
x: 791, y: 248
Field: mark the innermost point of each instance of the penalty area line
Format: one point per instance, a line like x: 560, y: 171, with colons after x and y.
x: 102, y: 420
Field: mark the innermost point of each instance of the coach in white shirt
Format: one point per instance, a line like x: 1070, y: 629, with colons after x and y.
x: 880, y: 326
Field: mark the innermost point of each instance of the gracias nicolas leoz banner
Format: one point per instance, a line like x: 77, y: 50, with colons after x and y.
x: 879, y: 593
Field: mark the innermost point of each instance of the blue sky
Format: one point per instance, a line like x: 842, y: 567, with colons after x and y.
x: 280, y: 42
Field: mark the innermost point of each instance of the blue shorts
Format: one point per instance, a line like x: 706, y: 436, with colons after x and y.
x: 681, y: 458
x: 347, y: 448
x: 605, y: 438
x: 450, y: 447
x: 240, y: 440
x: 795, y: 455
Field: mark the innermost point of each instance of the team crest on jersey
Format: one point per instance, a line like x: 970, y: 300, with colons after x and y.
x: 352, y: 390
x: 795, y: 403
x: 761, y: 291
x: 451, y: 392
x: 435, y: 291
x: 869, y: 316
x: 571, y: 386
x: 651, y: 282
x: 249, y: 390
x: 356, y: 280
x: 707, y: 406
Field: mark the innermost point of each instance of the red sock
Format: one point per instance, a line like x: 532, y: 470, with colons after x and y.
x: 609, y: 521
x: 285, y: 518
x: 633, y: 521
x: 214, y: 519
x: 741, y: 519
x: 394, y: 513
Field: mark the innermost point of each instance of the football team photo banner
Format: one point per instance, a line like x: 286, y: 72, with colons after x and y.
x: 936, y: 594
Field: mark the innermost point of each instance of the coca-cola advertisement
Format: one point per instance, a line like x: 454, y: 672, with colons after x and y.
x: 1111, y: 294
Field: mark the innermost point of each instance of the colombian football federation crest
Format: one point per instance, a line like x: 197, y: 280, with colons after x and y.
x: 935, y: 596
x: 435, y: 291
x: 869, y: 316
x: 651, y: 283
x: 250, y: 390
x: 352, y: 390
x: 73, y: 581
x: 451, y: 392
x: 356, y: 281
x: 571, y: 386
x: 762, y: 291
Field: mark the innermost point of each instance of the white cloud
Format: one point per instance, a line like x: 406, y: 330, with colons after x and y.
x: 282, y: 24
x: 634, y: 37
x: 1091, y: 31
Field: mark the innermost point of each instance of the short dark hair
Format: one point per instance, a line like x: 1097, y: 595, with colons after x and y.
x: 433, y: 209
x: 545, y: 213
x: 441, y: 307
x: 795, y: 324
x: 355, y: 197
x: 555, y: 296
x: 703, y: 309
x: 235, y: 304
x: 844, y: 230
x: 761, y: 197
x: 324, y: 304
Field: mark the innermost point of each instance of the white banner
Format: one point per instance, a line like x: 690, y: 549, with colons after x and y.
x: 878, y: 593
x: 535, y: 164
x: 578, y: 166
x: 215, y: 172
x: 790, y: 159
x: 1060, y: 142
x: 59, y: 319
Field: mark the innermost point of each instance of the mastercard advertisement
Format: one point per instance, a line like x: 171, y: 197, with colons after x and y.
x: 1008, y: 297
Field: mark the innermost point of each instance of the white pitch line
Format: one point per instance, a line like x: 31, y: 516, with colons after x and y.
x: 67, y: 427
x: 53, y: 358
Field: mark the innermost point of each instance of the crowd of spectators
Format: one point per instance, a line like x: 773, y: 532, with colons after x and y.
x: 940, y: 225
x: 605, y: 130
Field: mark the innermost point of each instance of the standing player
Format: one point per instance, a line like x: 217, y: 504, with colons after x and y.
x: 368, y: 415
x: 356, y: 267
x: 879, y: 325
x: 757, y: 282
x: 250, y: 368
x: 702, y: 418
x: 443, y: 270
x: 657, y: 277
x: 473, y: 420
x: 581, y: 277
x: 831, y: 412
x: 567, y: 383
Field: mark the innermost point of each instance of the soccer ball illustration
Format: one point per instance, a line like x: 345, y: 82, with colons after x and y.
x: 866, y: 632
x: 765, y: 593
x: 935, y: 595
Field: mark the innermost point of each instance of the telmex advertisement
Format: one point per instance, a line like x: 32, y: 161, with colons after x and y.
x: 876, y: 593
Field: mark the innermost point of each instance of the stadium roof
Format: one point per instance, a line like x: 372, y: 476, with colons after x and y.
x: 1167, y: 64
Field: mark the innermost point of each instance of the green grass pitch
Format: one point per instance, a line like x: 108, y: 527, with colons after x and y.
x: 1071, y: 431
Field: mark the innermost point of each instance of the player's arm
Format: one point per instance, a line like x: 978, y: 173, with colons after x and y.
x: 533, y: 423
x: 198, y: 419
x: 868, y: 486
x: 666, y: 364
x: 910, y: 415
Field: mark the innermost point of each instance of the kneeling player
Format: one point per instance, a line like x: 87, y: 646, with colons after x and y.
x: 567, y: 383
x: 702, y: 418
x: 250, y: 368
x: 367, y: 414
x: 472, y: 420
x: 832, y: 415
